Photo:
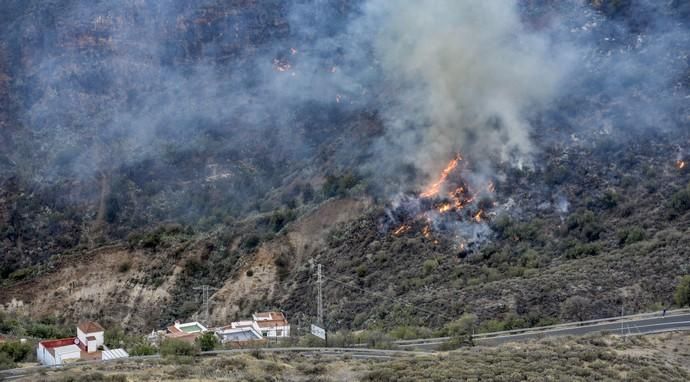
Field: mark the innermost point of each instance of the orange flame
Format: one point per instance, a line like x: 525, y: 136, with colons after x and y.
x: 680, y: 164
x: 478, y: 216
x: 436, y: 187
x: 426, y: 231
x: 401, y: 230
x: 445, y: 207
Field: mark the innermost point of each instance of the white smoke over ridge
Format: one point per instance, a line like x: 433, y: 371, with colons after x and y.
x: 466, y: 75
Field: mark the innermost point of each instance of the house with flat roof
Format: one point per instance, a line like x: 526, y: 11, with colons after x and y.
x: 272, y: 324
x: 85, y: 346
x: 239, y: 336
x: 187, y: 331
x: 58, y: 352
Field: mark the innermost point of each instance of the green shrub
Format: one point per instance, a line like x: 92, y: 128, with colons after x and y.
x: 207, y: 341
x: 172, y: 347
x: 142, y: 349
x: 429, y: 266
x: 21, y: 274
x: 585, y: 225
x: 339, y: 185
x: 679, y: 202
x: 48, y: 331
x: 6, y: 362
x: 361, y: 270
x: 682, y: 294
x: 16, y: 351
x: 581, y: 250
x: 631, y: 235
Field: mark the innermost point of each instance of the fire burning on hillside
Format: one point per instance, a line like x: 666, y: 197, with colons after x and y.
x: 452, y: 206
x: 680, y: 164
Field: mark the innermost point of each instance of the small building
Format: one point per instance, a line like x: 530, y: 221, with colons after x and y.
x: 187, y: 331
x: 239, y: 336
x: 57, y: 352
x: 272, y: 324
x: 85, y: 346
x: 90, y: 335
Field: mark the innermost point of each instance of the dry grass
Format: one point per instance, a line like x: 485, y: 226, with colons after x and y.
x: 660, y: 357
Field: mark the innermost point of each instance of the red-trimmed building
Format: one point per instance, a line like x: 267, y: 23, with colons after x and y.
x: 57, y: 352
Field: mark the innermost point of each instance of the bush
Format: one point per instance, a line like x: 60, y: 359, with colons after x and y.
x: 16, y: 351
x: 631, y: 235
x: 576, y: 308
x: 361, y: 270
x: 124, y: 266
x: 461, y: 330
x: 173, y: 347
x: 142, y: 349
x: 585, y: 225
x: 682, y: 295
x: 581, y: 250
x: 280, y: 218
x: 207, y: 341
x: 429, y: 266
x: 339, y: 185
x: 48, y: 331
x: 679, y: 203
x: 6, y: 362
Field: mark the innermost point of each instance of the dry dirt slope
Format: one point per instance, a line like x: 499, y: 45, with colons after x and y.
x: 110, y: 284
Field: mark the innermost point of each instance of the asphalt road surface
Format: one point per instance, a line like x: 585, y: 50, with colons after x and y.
x: 645, y: 325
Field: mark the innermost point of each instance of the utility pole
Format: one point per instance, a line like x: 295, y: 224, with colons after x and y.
x: 320, y: 304
x: 205, y: 297
x: 320, y: 297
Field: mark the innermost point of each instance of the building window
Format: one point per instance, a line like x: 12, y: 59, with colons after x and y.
x: 279, y: 333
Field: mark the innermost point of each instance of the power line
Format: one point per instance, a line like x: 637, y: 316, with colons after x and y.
x: 380, y: 295
x: 205, y: 297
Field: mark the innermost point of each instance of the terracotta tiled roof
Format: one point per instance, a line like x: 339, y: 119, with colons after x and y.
x: 90, y: 327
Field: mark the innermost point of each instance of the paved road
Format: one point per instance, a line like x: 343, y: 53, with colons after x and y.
x: 634, y: 326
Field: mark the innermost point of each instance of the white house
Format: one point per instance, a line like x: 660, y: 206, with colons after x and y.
x: 84, y: 346
x: 238, y: 334
x: 187, y: 331
x: 90, y: 335
x: 272, y: 324
x: 57, y: 352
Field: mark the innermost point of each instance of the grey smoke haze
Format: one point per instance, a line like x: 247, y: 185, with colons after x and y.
x: 446, y: 76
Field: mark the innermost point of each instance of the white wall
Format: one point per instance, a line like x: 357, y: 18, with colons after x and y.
x: 82, y: 338
x: 44, y: 357
x: 273, y: 331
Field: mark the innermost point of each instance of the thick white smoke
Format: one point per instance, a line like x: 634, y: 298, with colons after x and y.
x: 466, y: 76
